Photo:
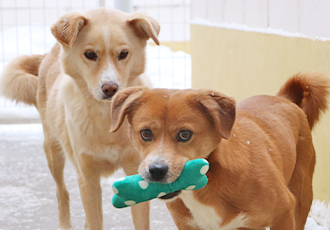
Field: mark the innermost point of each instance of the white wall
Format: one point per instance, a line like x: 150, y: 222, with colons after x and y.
x: 309, y: 17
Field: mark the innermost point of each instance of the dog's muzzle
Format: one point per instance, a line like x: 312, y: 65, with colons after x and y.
x: 157, y: 171
x: 109, y: 90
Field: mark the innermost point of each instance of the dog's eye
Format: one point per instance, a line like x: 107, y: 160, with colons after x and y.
x: 91, y: 55
x: 184, y: 136
x: 123, y: 55
x: 146, y: 134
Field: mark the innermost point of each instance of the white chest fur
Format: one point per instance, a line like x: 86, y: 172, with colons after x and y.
x: 88, y: 124
x: 205, y: 217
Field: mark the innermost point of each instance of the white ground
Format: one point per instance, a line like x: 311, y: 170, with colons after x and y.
x: 28, y: 192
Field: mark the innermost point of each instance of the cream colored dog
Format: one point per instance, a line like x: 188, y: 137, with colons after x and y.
x: 100, y: 52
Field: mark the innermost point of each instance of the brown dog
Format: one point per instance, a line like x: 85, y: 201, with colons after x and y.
x: 261, y: 153
x: 100, y: 52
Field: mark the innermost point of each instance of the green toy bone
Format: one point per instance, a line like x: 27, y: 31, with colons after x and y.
x: 131, y: 190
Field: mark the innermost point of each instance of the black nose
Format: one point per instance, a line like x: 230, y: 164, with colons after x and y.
x: 158, y: 171
x: 109, y: 89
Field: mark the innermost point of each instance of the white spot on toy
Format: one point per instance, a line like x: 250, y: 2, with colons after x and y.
x: 115, y: 190
x: 143, y: 184
x: 270, y: 149
x: 121, y: 179
x: 161, y: 194
x: 130, y: 202
x: 204, y: 169
x: 248, y: 142
x: 191, y: 187
x: 234, y: 135
x: 212, y: 94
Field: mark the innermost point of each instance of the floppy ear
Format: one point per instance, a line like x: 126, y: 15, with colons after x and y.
x: 220, y: 108
x: 66, y: 29
x: 123, y: 103
x: 144, y: 26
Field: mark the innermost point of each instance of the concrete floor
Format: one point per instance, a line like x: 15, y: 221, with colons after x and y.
x: 28, y: 192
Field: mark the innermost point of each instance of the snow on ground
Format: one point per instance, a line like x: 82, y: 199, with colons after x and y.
x: 28, y: 191
x: 268, y: 30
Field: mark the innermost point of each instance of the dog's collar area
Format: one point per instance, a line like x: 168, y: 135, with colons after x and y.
x: 170, y: 195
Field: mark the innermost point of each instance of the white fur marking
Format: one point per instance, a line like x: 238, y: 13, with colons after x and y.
x: 106, y: 38
x: 109, y: 75
x: 205, y: 217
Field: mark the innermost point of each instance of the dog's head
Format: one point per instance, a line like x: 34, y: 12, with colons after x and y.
x: 170, y: 127
x: 104, y: 50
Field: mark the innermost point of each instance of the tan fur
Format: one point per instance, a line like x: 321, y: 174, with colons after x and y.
x: 261, y: 154
x: 66, y: 87
x: 20, y: 79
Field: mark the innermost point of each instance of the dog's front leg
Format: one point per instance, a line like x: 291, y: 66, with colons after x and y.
x: 140, y: 212
x: 90, y: 192
x: 181, y: 215
x: 286, y: 214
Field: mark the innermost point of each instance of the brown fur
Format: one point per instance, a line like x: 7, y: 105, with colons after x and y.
x: 307, y: 93
x: 261, y: 156
x: 66, y: 87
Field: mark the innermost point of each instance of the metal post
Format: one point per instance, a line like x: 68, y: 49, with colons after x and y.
x: 124, y: 5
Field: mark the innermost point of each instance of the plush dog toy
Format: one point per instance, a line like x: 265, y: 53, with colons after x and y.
x: 134, y: 189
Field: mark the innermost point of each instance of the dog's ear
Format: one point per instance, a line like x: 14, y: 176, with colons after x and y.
x: 122, y: 103
x: 220, y: 108
x: 144, y: 26
x: 66, y: 29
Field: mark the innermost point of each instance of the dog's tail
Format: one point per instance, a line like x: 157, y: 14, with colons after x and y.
x: 310, y: 92
x: 19, y: 80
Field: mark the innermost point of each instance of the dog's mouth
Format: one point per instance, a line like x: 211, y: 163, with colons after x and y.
x: 107, y: 98
x: 170, y: 195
